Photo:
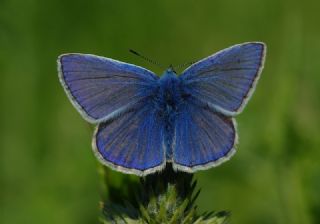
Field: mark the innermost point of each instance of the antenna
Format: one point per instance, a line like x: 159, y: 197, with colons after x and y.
x: 145, y: 58
x: 184, y: 64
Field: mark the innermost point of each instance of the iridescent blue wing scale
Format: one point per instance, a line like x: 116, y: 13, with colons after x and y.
x: 203, y: 138
x: 227, y: 79
x: 133, y: 142
x: 218, y: 87
x: 118, y: 96
x: 101, y: 88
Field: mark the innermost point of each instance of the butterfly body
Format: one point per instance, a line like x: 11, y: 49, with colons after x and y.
x: 168, y: 100
x: 146, y: 122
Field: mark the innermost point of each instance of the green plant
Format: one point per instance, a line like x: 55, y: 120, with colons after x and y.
x: 165, y: 197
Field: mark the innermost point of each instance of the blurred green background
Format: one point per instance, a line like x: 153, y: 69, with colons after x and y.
x: 48, y: 171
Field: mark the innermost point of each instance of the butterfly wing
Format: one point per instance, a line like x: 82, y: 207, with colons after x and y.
x: 132, y: 143
x: 226, y: 80
x: 101, y: 88
x: 217, y: 88
x: 203, y: 138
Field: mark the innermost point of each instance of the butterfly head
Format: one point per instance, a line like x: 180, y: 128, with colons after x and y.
x: 169, y: 73
x: 171, y: 70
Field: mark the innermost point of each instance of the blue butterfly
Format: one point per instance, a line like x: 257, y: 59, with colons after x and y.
x: 146, y: 122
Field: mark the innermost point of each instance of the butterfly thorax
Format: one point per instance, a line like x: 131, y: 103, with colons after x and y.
x: 169, y: 86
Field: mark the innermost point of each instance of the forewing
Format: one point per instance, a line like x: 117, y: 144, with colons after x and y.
x: 101, y: 88
x: 132, y: 143
x: 203, y: 138
x: 226, y: 80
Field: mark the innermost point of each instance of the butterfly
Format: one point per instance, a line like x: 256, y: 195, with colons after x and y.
x: 146, y: 122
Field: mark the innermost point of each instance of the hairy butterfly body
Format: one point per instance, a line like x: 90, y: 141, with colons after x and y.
x: 145, y: 122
